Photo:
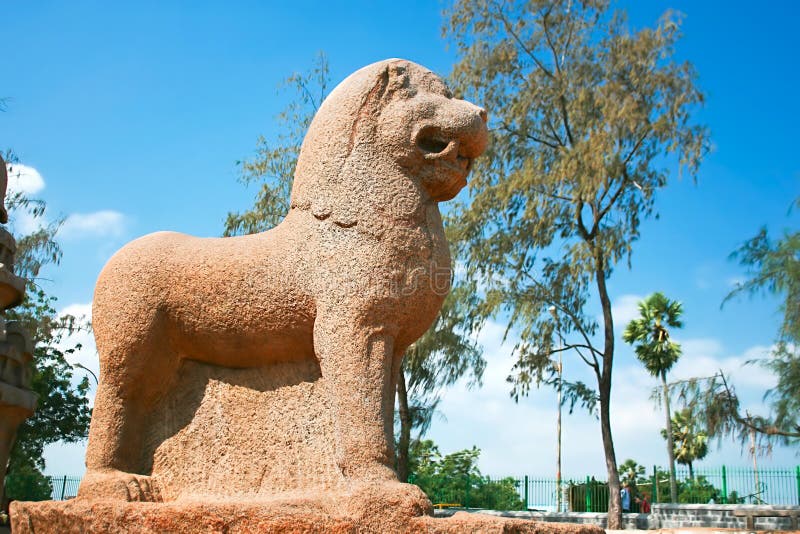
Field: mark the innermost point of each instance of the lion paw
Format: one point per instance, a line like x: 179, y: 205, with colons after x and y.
x: 377, y: 499
x: 119, y: 486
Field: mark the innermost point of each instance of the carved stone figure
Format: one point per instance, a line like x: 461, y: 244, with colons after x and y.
x: 247, y: 384
x: 356, y: 272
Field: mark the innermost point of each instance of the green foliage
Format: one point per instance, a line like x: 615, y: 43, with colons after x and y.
x: 649, y: 334
x: 456, y: 479
x: 27, y: 483
x: 62, y: 411
x: 502, y: 494
x: 582, y: 112
x: 688, y: 438
x: 784, y: 362
x: 272, y: 166
x: 774, y: 267
x: 698, y: 491
x: 632, y: 473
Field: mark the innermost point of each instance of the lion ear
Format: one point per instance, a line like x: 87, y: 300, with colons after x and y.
x: 398, y: 77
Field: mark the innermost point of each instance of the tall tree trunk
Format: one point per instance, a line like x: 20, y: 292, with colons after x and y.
x: 673, y: 485
x: 405, y: 427
x: 691, y: 471
x: 604, y: 387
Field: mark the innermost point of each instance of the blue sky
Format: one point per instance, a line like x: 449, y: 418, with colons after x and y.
x: 134, y: 115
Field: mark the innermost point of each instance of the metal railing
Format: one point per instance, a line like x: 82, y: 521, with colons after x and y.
x: 723, y: 485
x: 64, y: 487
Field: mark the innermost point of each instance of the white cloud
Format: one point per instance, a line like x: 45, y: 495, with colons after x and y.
x: 705, y: 357
x: 106, y: 223
x: 24, y: 179
x: 27, y: 180
x: 624, y: 309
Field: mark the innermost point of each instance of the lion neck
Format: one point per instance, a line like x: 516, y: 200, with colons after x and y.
x: 368, y: 191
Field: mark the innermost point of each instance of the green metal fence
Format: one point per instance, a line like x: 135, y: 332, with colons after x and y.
x: 733, y: 485
x: 64, y: 487
x: 724, y: 485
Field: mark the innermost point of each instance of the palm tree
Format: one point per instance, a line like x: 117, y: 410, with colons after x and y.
x: 631, y: 472
x: 650, y: 336
x: 691, y: 443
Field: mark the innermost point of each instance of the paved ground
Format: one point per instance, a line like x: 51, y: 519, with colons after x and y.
x: 694, y: 530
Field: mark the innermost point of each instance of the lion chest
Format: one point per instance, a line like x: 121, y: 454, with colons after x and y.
x: 400, y: 277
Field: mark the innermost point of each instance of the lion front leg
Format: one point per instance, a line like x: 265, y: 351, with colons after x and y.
x: 356, y: 360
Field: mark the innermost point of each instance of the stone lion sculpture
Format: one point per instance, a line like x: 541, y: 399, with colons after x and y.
x: 353, y: 275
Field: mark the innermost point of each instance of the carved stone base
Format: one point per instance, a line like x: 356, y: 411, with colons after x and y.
x: 89, y: 517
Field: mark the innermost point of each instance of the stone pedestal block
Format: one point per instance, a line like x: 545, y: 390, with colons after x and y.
x: 96, y: 517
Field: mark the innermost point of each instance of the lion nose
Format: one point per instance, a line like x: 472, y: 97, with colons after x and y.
x: 475, y: 135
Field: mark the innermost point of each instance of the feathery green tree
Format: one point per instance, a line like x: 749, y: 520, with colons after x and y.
x: 584, y: 116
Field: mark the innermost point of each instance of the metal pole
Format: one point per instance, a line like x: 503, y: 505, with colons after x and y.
x: 558, y: 430
x: 654, y: 497
x: 588, y: 495
x: 724, y: 486
x: 558, y: 422
x: 64, y: 487
x: 797, y: 472
x: 754, y: 451
x: 526, y: 492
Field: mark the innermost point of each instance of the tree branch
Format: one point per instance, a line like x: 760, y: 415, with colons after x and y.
x: 534, y: 138
x: 749, y: 420
x: 552, y: 195
x: 564, y: 117
x: 584, y: 233
x: 635, y: 147
x: 510, y: 30
x: 593, y: 364
x: 575, y: 322
x: 549, y: 41
x: 553, y: 132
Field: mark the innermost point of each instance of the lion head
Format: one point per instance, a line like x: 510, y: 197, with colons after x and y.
x: 389, y: 139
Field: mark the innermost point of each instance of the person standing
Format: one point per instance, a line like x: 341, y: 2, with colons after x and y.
x: 625, y: 493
